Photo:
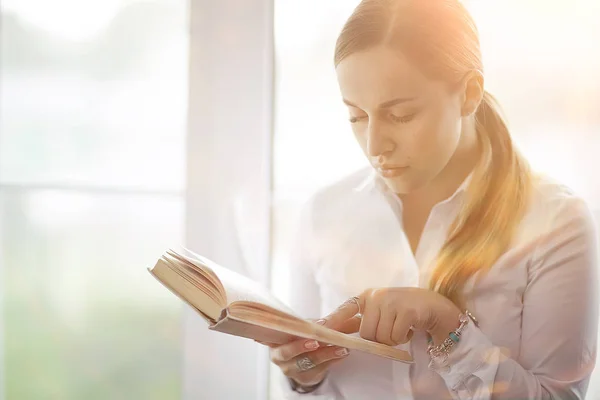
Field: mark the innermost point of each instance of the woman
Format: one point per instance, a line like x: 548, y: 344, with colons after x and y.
x: 448, y: 246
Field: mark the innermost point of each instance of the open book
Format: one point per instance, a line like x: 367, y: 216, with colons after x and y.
x: 234, y: 304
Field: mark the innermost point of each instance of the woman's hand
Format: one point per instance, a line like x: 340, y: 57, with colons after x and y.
x: 389, y: 315
x: 305, y: 361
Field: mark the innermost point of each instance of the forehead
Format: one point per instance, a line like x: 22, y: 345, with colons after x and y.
x: 370, y: 77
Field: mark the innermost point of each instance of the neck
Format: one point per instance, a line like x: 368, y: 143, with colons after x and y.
x: 459, y: 167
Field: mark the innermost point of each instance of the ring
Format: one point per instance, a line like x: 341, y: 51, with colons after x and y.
x: 356, y: 300
x: 304, y: 364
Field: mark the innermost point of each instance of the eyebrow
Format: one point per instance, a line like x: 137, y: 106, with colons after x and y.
x: 386, y: 104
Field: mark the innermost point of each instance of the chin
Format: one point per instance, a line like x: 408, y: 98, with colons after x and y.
x: 403, y: 185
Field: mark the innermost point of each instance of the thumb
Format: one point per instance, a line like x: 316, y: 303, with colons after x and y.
x: 346, y: 311
x: 351, y: 325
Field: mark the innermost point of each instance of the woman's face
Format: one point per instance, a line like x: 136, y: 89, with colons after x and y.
x: 408, y: 125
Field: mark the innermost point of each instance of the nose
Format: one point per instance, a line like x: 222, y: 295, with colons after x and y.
x: 379, y: 143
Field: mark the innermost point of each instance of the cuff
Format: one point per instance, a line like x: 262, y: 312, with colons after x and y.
x: 472, y: 363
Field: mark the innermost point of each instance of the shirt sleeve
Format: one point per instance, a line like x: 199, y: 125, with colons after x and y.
x: 305, y: 296
x: 559, y: 323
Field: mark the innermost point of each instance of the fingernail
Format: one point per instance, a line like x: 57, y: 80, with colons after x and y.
x: 341, y: 352
x: 321, y: 322
x: 311, y: 344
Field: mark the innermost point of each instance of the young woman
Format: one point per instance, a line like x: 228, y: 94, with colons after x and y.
x: 448, y: 246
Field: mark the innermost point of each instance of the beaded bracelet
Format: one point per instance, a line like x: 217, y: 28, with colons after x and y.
x: 439, y: 354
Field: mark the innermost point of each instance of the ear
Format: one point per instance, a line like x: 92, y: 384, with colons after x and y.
x: 471, y: 92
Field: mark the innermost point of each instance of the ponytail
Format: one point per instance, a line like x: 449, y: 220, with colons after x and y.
x: 496, y: 200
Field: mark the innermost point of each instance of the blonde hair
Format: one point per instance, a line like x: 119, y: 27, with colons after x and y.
x: 441, y: 37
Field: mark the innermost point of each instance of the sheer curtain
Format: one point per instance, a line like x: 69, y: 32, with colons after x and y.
x: 541, y: 61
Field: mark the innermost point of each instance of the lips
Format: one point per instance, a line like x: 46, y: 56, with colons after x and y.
x: 388, y: 171
x: 389, y: 166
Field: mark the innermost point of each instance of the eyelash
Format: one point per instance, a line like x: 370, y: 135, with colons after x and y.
x: 354, y: 120
x: 402, y: 120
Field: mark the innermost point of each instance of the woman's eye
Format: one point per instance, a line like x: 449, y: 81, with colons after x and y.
x: 354, y: 120
x: 404, y: 119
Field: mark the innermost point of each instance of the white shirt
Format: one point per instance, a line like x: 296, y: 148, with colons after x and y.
x: 537, y: 307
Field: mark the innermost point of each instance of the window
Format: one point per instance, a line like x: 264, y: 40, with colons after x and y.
x: 545, y: 77
x: 94, y: 98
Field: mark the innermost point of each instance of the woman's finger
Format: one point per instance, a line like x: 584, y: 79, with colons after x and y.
x: 385, y: 327
x: 351, y: 325
x: 325, y: 354
x: 290, y: 350
x: 397, y: 334
x: 344, y: 312
x: 402, y: 332
x: 271, y: 345
x: 318, y: 357
x: 370, y: 320
x: 320, y: 368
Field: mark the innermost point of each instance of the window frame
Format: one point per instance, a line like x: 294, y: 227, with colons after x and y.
x: 230, y: 123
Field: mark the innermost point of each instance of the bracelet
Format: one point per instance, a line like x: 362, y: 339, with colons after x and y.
x: 439, y: 354
x: 298, y: 388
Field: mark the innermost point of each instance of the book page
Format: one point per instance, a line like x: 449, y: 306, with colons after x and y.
x: 237, y: 286
x: 186, y: 290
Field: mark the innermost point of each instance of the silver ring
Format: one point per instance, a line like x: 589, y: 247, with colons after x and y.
x: 304, y: 364
x: 357, y: 301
